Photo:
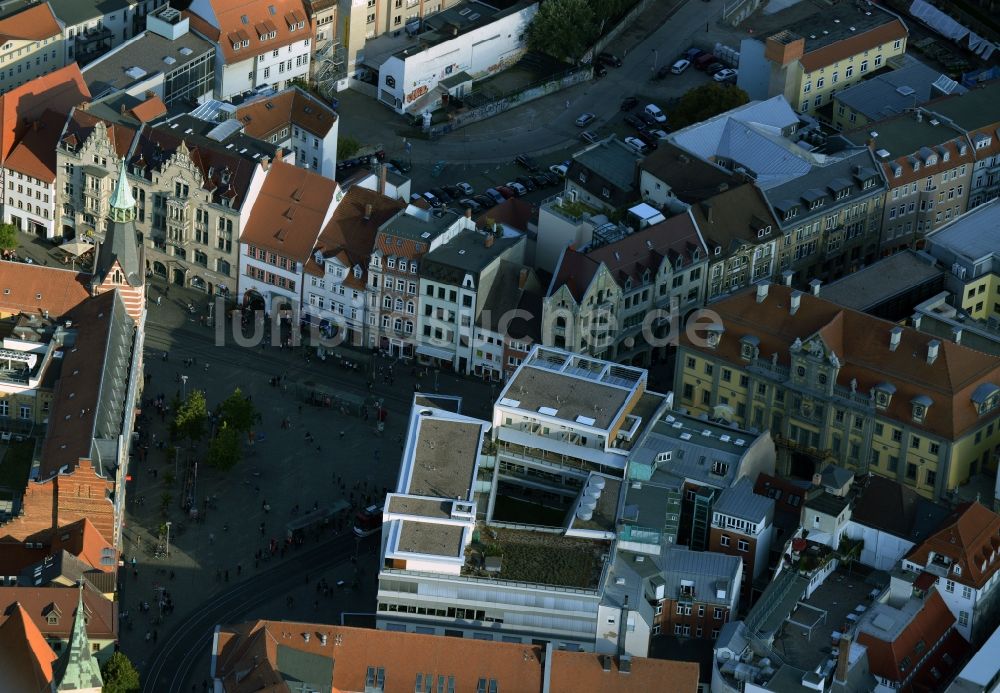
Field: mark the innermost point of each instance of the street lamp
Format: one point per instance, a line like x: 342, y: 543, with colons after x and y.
x: 184, y: 382
x: 168, y: 538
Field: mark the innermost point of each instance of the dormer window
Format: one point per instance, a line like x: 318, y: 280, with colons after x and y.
x: 718, y: 250
x: 883, y: 395
x: 357, y: 271
x: 919, y: 405
x: 749, y: 346
x: 869, y: 183
x: 986, y: 397
x: 791, y: 213
x: 957, y: 569
x: 663, y: 457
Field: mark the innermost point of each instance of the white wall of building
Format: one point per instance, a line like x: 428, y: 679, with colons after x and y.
x: 30, y: 200
x: 881, y: 551
x: 481, y: 52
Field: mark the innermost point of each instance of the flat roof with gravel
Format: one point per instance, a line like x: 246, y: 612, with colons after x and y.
x: 430, y: 538
x: 444, y: 458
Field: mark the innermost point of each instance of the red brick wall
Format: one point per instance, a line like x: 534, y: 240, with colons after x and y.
x: 669, y: 618
x: 715, y: 545
x: 61, y: 500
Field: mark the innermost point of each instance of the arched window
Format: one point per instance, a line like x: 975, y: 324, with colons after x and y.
x: 399, y: 304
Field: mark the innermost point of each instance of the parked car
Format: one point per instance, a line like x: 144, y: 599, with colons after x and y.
x: 526, y: 162
x: 635, y: 121
x: 679, y: 66
x: 692, y: 53
x: 506, y: 191
x: 609, y: 59
x: 654, y: 112
x: 453, y: 191
x: 585, y: 119
x: 526, y: 183
x: 519, y: 190
x: 465, y: 188
x: 559, y: 169
x: 540, y: 180
x: 433, y: 200
x: 401, y: 166
x: 725, y: 75
x: 552, y: 178
x: 441, y: 195
x: 494, y: 195
x: 636, y: 145
x: 485, y: 201
x: 588, y: 136
x: 629, y: 102
x: 658, y: 133
x: 648, y: 139
x: 704, y: 60
x: 647, y: 120
x: 600, y: 70
x: 713, y: 68
x: 469, y: 203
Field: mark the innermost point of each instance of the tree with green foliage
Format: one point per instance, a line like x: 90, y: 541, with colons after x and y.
x: 703, y: 102
x: 225, y: 450
x: 238, y: 412
x: 347, y: 147
x: 8, y: 237
x: 564, y: 29
x: 120, y: 675
x: 190, y: 417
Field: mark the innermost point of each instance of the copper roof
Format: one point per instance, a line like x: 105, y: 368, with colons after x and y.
x: 59, y: 91
x: 852, y: 45
x: 970, y: 537
x: 264, y: 117
x: 349, y: 236
x: 861, y: 343
x: 250, y: 658
x: 290, y: 211
x: 229, y: 16
x: 33, y: 289
x: 26, y: 660
x: 35, y: 154
x: 35, y: 23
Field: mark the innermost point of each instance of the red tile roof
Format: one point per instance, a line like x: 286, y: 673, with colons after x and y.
x: 290, y: 211
x: 248, y: 661
x: 26, y: 660
x: 231, y: 27
x: 857, y: 43
x: 897, y: 659
x: 350, y: 237
x: 150, y: 109
x: 28, y: 288
x: 82, y: 540
x: 970, y: 538
x: 861, y: 343
x: 35, y: 154
x: 59, y: 91
x: 265, y: 117
x: 35, y: 23
x: 37, y: 602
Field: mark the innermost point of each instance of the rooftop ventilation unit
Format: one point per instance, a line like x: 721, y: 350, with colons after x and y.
x: 685, y: 436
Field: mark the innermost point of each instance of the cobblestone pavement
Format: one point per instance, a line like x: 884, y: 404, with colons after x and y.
x: 347, y: 464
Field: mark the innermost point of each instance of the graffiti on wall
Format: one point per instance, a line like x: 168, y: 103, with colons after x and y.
x: 416, y: 93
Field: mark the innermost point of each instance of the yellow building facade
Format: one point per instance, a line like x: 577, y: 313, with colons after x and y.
x: 835, y: 384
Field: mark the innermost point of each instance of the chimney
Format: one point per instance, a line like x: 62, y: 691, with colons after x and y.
x: 468, y: 212
x: 762, y: 292
x: 794, y: 301
x: 383, y: 172
x: 605, y: 663
x: 956, y: 334
x: 488, y: 241
x: 843, y: 653
x: 814, y: 286
x: 522, y: 278
x: 624, y: 664
x: 932, y: 350
x: 368, y: 211
x: 916, y: 320
x: 278, y: 154
x: 894, y: 336
x: 786, y: 277
x: 265, y: 162
x: 706, y: 208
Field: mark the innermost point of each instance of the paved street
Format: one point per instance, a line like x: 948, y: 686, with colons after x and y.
x: 212, y: 573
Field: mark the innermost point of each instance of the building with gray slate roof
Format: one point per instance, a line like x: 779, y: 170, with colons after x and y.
x: 830, y: 216
x: 743, y: 526
x: 604, y: 176
x: 701, y: 592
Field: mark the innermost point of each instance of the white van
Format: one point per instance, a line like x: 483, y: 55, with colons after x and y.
x: 654, y: 112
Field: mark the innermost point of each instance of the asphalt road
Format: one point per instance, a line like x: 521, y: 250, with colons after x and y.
x: 172, y: 668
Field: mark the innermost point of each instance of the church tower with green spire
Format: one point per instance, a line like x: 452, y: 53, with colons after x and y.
x: 119, y: 256
x: 77, y: 670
